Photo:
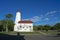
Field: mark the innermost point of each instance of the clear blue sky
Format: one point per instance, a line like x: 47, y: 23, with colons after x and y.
x: 39, y: 11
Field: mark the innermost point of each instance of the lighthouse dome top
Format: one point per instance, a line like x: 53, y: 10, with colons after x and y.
x: 18, y: 10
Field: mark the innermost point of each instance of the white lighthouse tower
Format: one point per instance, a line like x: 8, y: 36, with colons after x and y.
x: 17, y: 19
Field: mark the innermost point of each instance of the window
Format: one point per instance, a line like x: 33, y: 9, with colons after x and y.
x: 20, y: 26
x: 29, y: 26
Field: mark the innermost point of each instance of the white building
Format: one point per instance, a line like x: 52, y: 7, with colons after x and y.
x: 21, y: 25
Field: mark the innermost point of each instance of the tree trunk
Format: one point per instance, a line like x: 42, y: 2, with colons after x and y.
x: 2, y: 30
x: 7, y: 26
x: 6, y: 29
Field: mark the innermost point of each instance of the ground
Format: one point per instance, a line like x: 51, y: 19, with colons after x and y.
x: 31, y: 36
x: 42, y: 37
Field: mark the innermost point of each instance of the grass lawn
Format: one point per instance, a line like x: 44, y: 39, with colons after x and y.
x: 49, y: 32
x: 30, y: 33
x: 53, y: 32
x: 12, y: 33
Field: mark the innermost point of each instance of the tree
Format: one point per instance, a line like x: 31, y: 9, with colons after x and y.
x: 40, y: 27
x: 0, y: 26
x: 8, y: 17
x: 47, y: 27
x: 52, y: 28
x: 35, y: 28
x: 11, y: 25
x: 3, y: 24
x: 57, y: 26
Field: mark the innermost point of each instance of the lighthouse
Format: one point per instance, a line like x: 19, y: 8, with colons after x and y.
x: 22, y: 25
x: 18, y: 17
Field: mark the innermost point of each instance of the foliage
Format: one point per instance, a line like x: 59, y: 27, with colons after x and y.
x: 35, y: 28
x: 4, y: 24
x: 8, y: 16
x: 7, y: 25
x: 57, y: 26
x: 40, y: 27
x: 10, y: 25
x: 47, y: 27
x: 1, y: 28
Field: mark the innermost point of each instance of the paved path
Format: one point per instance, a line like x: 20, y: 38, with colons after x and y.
x: 42, y: 37
x: 29, y: 37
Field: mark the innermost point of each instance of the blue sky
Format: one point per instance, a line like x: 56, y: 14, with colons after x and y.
x: 39, y: 11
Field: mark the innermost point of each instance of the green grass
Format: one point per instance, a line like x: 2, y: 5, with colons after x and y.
x: 33, y: 33
x: 20, y: 32
x: 52, y: 32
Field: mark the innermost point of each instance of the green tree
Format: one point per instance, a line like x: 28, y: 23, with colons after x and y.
x: 11, y: 25
x: 3, y: 24
x: 52, y: 28
x: 47, y: 27
x: 8, y: 17
x: 57, y: 26
x: 0, y: 26
x: 35, y: 28
x: 40, y: 27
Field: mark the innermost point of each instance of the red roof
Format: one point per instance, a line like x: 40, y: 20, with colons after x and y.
x: 25, y: 21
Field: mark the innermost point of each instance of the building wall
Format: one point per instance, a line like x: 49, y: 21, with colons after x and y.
x: 24, y: 27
